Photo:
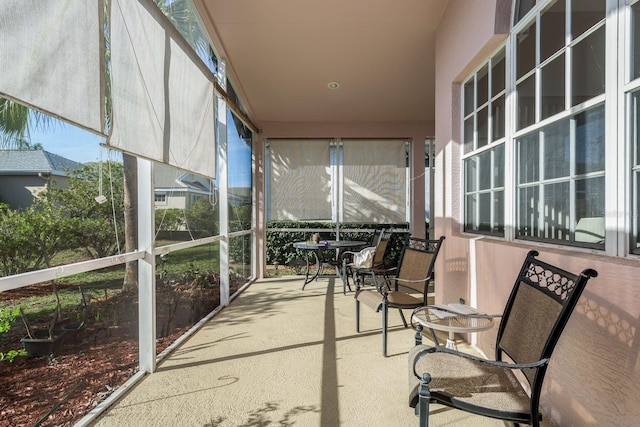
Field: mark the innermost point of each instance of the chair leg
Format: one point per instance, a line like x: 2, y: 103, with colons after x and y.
x: 403, y: 319
x: 357, y: 316
x: 435, y: 338
x: 345, y: 278
x: 424, y: 396
x: 385, y: 321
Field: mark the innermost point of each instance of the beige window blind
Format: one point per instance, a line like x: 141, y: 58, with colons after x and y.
x: 163, y: 100
x: 299, y: 180
x: 51, y: 58
x: 374, y: 181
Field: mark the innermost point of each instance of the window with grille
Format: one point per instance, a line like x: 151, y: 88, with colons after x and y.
x: 483, y: 102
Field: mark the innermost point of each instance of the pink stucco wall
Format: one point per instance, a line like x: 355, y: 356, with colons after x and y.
x: 594, y: 376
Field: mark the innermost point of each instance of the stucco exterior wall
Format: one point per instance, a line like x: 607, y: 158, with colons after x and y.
x: 18, y: 191
x: 594, y: 375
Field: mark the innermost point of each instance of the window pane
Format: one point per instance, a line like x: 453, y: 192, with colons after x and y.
x: 553, y: 76
x: 635, y: 240
x: 590, y: 146
x: 469, y: 104
x: 522, y: 8
x: 526, y: 102
x: 189, y: 207
x: 96, y: 346
x: 587, y: 76
x: 239, y: 262
x: 484, y: 162
x: 556, y: 211
x: 484, y: 217
x: 635, y: 118
x: 635, y: 143
x: 552, y: 30
x: 483, y: 85
x: 526, y: 51
x: 557, y: 161
x: 468, y: 135
x: 528, y: 158
x: 470, y: 173
x: 188, y: 288
x: 528, y: 212
x: 498, y: 212
x: 497, y: 115
x: 470, y: 216
x: 484, y: 203
x: 483, y: 127
x: 635, y: 41
x: 590, y: 210
x: 239, y: 171
x: 497, y: 73
x: 498, y: 167
x: 585, y: 14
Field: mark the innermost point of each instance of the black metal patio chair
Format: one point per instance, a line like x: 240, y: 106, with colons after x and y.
x: 537, y: 310
x: 408, y: 289
x: 379, y: 243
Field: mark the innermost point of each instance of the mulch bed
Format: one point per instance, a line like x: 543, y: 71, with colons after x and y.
x: 58, y: 390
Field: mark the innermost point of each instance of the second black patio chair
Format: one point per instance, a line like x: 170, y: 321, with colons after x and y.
x: 379, y: 243
x: 408, y: 289
x: 534, y: 317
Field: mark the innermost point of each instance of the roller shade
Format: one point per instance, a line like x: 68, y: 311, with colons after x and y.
x: 162, y: 100
x: 299, y: 180
x: 374, y: 181
x: 51, y: 58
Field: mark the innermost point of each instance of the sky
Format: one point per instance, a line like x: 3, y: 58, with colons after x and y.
x: 83, y: 146
x: 69, y: 141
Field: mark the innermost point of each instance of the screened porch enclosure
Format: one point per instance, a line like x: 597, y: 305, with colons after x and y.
x: 504, y: 125
x: 155, y: 229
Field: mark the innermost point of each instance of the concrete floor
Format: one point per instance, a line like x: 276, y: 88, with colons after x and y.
x: 282, y: 356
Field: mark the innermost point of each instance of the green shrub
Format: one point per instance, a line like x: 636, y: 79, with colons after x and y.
x: 171, y: 219
x: 280, y: 243
x: 31, y: 237
x: 7, y: 317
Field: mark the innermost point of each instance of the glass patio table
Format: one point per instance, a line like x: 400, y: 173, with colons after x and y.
x: 450, y: 318
x: 319, y: 249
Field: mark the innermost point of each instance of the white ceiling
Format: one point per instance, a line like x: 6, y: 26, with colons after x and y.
x: 281, y: 54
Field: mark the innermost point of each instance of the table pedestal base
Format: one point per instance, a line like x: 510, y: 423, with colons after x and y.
x: 451, y: 343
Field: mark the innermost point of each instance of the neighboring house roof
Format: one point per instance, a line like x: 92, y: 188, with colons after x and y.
x: 30, y: 162
x: 168, y: 178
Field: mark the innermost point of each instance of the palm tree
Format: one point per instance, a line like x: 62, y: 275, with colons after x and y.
x: 14, y: 124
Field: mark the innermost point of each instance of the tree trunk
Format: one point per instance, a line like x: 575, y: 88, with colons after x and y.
x: 130, y: 219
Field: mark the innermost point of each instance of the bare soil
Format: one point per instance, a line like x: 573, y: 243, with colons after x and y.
x: 61, y: 388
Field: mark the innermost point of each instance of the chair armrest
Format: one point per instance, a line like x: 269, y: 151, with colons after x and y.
x: 398, y: 281
x: 344, y: 255
x: 348, y: 252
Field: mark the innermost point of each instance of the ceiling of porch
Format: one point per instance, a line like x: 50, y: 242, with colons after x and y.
x: 282, y: 55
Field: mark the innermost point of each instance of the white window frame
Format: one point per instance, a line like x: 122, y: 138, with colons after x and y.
x: 618, y: 178
x: 608, y: 98
x: 491, y: 144
x: 627, y: 201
